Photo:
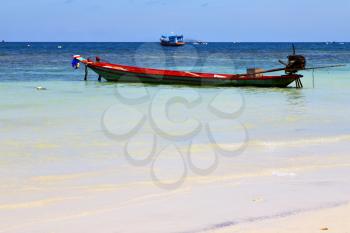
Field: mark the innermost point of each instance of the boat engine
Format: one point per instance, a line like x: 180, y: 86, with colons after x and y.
x: 295, y: 63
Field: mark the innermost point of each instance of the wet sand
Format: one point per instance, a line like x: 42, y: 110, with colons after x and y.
x: 336, y: 220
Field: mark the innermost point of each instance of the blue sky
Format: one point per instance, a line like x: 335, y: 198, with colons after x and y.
x: 146, y: 20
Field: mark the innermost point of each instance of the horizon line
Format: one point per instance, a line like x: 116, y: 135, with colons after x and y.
x: 4, y: 41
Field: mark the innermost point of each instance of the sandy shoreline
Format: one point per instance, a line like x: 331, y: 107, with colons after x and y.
x: 335, y: 220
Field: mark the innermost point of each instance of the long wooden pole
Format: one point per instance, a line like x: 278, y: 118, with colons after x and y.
x: 86, y: 73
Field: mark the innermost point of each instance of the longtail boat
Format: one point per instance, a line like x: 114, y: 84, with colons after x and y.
x: 254, y: 77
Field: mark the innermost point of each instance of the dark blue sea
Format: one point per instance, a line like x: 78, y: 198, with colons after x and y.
x: 51, y: 61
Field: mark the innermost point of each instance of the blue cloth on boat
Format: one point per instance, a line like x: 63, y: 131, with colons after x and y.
x: 75, y: 63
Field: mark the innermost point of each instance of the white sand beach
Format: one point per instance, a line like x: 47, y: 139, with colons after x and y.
x: 335, y: 220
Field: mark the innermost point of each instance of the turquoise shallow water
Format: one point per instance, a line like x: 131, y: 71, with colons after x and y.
x: 24, y: 66
x: 62, y: 150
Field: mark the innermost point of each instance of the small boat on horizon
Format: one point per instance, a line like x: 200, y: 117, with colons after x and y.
x: 172, y: 40
x: 199, y: 42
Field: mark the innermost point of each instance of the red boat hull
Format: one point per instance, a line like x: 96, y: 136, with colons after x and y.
x: 131, y: 74
x: 172, y: 44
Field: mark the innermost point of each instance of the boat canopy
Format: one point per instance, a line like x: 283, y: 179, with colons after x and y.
x: 173, y: 38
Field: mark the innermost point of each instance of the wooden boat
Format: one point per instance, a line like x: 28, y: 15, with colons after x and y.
x: 132, y: 74
x: 254, y: 77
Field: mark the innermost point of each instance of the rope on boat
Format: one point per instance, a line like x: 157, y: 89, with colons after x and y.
x: 98, y: 59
